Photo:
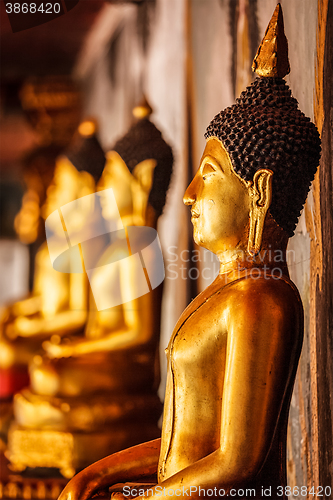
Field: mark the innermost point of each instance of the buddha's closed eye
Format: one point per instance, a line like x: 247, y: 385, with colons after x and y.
x: 207, y: 170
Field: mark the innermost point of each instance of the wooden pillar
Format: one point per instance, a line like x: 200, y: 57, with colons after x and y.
x: 320, y: 224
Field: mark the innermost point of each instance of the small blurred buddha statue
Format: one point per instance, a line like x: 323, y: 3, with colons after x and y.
x: 52, y: 105
x: 52, y: 108
x: 233, y: 355
x: 101, y: 388
x: 38, y: 172
x: 58, y: 303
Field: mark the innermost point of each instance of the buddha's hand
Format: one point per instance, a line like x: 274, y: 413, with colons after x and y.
x: 117, y: 495
x: 24, y: 327
x: 55, y: 350
x: 137, y: 491
x: 79, y: 488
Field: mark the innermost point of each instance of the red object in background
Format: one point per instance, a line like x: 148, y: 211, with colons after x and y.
x: 12, y: 381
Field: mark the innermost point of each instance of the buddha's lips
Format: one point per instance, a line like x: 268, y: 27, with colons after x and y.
x: 194, y: 214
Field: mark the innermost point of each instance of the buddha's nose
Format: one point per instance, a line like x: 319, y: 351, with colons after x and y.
x: 190, y: 193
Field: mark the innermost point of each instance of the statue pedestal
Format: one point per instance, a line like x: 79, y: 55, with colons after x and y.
x: 29, y: 487
x: 69, y: 434
x: 69, y: 451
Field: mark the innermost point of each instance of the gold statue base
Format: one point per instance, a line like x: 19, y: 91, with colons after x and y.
x: 70, y: 451
x: 37, y: 487
x: 31, y: 489
x: 71, y: 433
x: 89, y: 414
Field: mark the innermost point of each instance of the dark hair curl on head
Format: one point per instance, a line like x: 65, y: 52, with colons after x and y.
x: 86, y: 153
x: 142, y: 142
x: 265, y: 129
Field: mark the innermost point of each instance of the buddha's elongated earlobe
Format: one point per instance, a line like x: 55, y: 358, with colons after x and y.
x: 261, y: 197
x: 143, y: 175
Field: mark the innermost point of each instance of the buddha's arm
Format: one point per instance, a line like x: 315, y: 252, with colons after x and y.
x: 33, y: 304
x: 262, y: 349
x: 135, y: 327
x: 61, y: 323
x: 138, y: 462
x: 116, y: 340
x: 137, y: 317
x: 132, y: 333
x: 55, y: 315
x: 27, y: 307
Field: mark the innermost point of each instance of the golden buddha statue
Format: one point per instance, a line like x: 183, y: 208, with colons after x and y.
x: 58, y: 302
x: 52, y: 108
x: 233, y: 355
x: 38, y: 172
x: 100, y: 388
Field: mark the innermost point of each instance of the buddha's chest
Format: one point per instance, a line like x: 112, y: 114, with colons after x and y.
x: 197, y: 361
x: 197, y: 351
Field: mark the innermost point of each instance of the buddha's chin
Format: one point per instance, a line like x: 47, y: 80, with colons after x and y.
x: 199, y: 239
x: 196, y: 236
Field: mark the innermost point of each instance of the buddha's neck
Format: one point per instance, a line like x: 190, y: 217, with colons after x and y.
x: 272, y: 255
x: 269, y: 261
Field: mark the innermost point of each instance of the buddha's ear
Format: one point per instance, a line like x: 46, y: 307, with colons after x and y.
x: 115, y: 163
x: 261, y: 197
x: 144, y: 174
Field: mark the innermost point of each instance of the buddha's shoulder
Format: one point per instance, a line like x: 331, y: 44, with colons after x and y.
x: 257, y: 297
x: 264, y: 294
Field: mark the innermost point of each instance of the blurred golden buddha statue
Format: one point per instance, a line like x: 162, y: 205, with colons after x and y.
x: 101, y: 388
x: 233, y: 355
x: 52, y: 107
x: 58, y: 303
x: 38, y: 172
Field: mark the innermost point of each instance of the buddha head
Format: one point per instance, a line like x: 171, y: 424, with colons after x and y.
x: 260, y: 159
x: 76, y: 173
x: 138, y: 169
x: 77, y: 170
x: 85, y: 152
x: 53, y: 107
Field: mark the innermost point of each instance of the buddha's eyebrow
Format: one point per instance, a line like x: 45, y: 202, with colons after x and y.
x: 212, y: 161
